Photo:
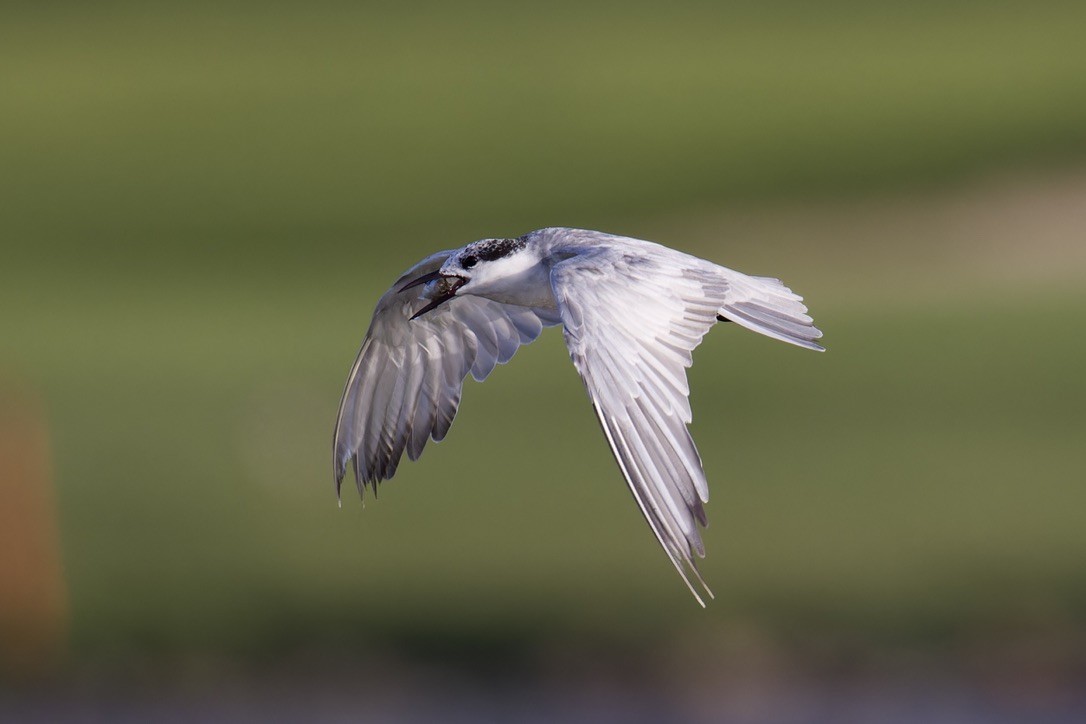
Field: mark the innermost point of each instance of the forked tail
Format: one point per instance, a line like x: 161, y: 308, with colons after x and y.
x: 766, y: 306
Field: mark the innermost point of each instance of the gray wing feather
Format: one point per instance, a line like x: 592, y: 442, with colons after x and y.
x: 632, y: 316
x: 630, y: 326
x: 405, y: 384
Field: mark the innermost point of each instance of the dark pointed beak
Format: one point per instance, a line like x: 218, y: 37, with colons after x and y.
x: 446, y: 289
x: 421, y: 280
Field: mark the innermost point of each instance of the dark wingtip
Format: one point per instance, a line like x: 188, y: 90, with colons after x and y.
x: 338, y: 471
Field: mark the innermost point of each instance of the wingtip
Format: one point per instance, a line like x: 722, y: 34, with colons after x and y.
x: 694, y: 574
x: 339, y: 469
x: 699, y: 598
x: 701, y: 582
x: 339, y: 472
x: 339, y: 491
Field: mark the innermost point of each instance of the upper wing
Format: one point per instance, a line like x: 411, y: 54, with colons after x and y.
x: 405, y: 384
x: 631, y: 322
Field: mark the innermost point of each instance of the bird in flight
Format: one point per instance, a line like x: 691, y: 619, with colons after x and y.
x: 631, y: 311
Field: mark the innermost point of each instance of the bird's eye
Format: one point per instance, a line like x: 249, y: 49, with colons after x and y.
x: 468, y: 261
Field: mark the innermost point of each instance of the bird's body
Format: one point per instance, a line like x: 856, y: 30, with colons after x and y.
x: 632, y: 312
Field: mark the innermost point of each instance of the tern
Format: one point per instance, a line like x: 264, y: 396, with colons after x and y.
x: 631, y: 311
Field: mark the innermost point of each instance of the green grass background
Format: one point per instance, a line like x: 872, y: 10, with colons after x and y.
x: 202, y: 203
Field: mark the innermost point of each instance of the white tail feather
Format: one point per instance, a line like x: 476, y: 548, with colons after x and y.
x: 766, y: 306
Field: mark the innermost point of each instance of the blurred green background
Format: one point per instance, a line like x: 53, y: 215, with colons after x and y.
x: 202, y: 202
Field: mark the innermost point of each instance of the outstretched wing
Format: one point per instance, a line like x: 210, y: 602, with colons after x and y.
x: 405, y: 384
x: 632, y: 319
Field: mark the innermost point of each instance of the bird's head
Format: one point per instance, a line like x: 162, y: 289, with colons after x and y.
x: 471, y: 269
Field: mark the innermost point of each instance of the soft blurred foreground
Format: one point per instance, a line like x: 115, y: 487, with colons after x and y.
x: 203, y: 203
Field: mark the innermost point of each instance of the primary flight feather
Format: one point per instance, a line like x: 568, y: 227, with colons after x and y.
x: 631, y: 311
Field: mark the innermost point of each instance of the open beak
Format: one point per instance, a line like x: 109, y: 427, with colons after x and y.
x: 425, y: 278
x: 446, y: 289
